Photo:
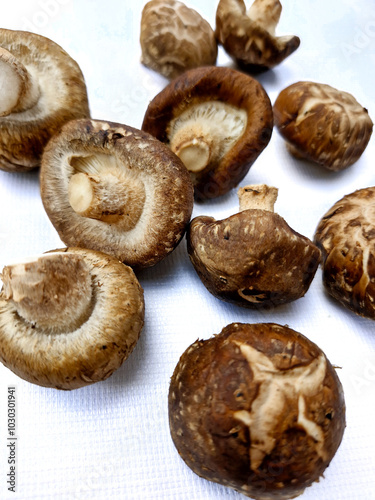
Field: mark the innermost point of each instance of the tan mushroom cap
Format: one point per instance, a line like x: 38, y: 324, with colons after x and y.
x: 175, y: 38
x: 217, y: 120
x: 254, y: 258
x: 42, y: 88
x: 346, y: 237
x: 248, y: 36
x: 258, y: 408
x: 115, y: 189
x: 69, y: 318
x: 322, y: 124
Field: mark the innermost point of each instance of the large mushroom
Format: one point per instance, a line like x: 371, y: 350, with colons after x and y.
x: 115, y: 189
x: 175, y: 38
x: 322, y: 124
x: 248, y: 36
x: 258, y: 408
x: 254, y: 258
x: 42, y: 88
x: 217, y: 120
x: 346, y: 237
x: 69, y: 318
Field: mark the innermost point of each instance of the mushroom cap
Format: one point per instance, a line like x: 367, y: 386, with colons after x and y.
x: 346, y: 237
x: 131, y: 157
x: 251, y: 41
x: 252, y: 259
x: 209, y: 87
x: 175, y: 38
x: 322, y: 124
x: 63, y: 97
x: 91, y: 350
x: 258, y: 408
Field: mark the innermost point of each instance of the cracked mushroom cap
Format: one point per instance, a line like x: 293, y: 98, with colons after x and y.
x: 115, y: 189
x: 217, y: 120
x: 175, y: 38
x: 42, y: 88
x: 346, y: 237
x: 258, y: 408
x: 248, y: 36
x: 254, y: 258
x: 69, y: 318
x: 322, y: 124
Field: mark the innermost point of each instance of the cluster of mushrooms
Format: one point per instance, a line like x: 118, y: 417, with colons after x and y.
x: 254, y: 397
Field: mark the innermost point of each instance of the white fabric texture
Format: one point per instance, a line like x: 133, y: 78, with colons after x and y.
x: 111, y: 440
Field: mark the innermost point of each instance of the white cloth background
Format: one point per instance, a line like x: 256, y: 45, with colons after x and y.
x: 111, y: 440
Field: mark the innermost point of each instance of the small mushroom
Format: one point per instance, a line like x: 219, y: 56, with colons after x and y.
x: 217, y: 120
x: 69, y: 318
x: 175, y: 38
x: 346, y: 237
x: 42, y: 88
x: 322, y: 124
x: 253, y: 258
x: 258, y: 408
x: 115, y: 189
x: 248, y: 36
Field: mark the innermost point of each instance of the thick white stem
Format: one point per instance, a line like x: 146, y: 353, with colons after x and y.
x: 258, y: 197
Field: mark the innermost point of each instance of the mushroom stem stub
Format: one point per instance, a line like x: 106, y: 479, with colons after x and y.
x: 18, y: 89
x: 259, y: 197
x: 53, y: 290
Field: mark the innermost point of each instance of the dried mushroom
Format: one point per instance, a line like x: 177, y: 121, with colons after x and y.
x: 258, y: 408
x: 175, y: 38
x: 346, y: 237
x: 42, y: 88
x: 217, y: 120
x: 115, y: 189
x: 248, y: 36
x: 253, y: 258
x: 322, y: 124
x: 69, y: 318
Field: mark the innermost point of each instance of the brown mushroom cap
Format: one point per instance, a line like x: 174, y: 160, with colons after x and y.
x: 175, y: 38
x: 322, y: 124
x: 346, y: 237
x: 115, y: 189
x: 44, y: 88
x: 258, y: 408
x: 249, y: 36
x: 69, y: 318
x: 253, y: 259
x: 218, y: 120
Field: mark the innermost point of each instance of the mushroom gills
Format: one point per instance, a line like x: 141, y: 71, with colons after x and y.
x: 202, y: 134
x: 100, y: 189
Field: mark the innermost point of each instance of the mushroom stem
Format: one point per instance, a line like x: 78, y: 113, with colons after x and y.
x: 194, y: 151
x: 18, y: 89
x: 52, y: 292
x: 258, y: 197
x: 266, y: 14
x: 104, y: 197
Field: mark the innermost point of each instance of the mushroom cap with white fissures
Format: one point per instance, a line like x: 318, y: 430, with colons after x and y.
x: 42, y: 88
x: 217, y: 120
x: 69, y: 318
x: 258, y: 408
x: 254, y: 258
x: 346, y: 237
x: 115, y: 189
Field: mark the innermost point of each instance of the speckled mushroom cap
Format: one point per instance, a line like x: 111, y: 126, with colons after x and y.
x: 254, y: 258
x: 42, y: 88
x: 217, y: 120
x: 346, y: 237
x: 248, y: 36
x: 322, y: 124
x: 115, y: 189
x: 258, y: 408
x: 69, y: 318
x: 175, y: 38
